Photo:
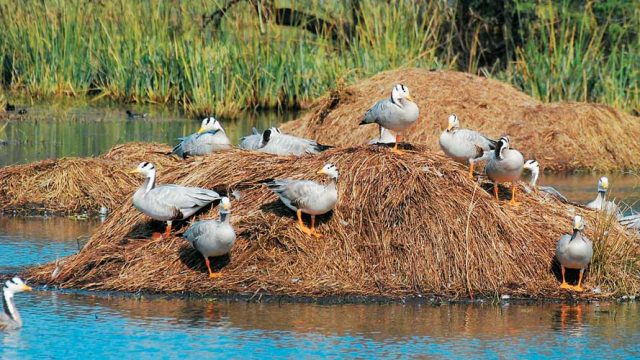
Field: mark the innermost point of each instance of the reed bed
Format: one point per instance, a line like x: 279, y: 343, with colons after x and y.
x: 404, y: 225
x: 561, y: 136
x: 76, y: 185
x: 155, y: 51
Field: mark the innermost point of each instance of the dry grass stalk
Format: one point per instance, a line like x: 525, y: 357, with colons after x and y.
x: 562, y: 136
x: 404, y: 225
x: 72, y: 185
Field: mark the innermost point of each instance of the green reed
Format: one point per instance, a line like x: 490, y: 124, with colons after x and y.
x: 155, y: 51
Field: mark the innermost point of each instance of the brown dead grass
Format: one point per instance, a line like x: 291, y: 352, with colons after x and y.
x: 74, y: 185
x: 562, y: 136
x: 404, y: 225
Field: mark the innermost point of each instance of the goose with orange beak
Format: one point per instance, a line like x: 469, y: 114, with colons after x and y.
x: 307, y: 196
x: 396, y: 113
x: 168, y: 202
x: 10, y: 318
x: 574, y: 252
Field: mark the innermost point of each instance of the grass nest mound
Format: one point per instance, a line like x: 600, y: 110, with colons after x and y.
x: 404, y: 225
x: 75, y: 185
x: 561, y: 136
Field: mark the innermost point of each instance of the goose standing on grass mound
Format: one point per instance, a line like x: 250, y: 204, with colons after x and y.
x: 309, y: 197
x: 464, y: 145
x: 254, y: 141
x: 386, y: 137
x: 601, y: 202
x: 276, y: 143
x: 213, y: 237
x: 505, y: 165
x: 168, y: 202
x: 397, y: 113
x: 574, y: 252
x: 534, y: 167
x: 10, y: 318
x: 209, y: 138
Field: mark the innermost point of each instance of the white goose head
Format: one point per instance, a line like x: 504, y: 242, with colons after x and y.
x: 454, y: 123
x: 603, y: 184
x: 578, y: 223
x: 15, y: 285
x: 400, y: 92
x: 145, y: 168
x: 210, y: 124
x: 225, y: 205
x: 503, y: 144
x: 330, y: 170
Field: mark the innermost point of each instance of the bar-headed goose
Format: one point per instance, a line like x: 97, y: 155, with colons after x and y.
x: 464, y: 145
x: 278, y: 143
x: 254, y: 141
x: 601, y: 202
x: 534, y: 167
x: 505, y: 165
x: 10, y: 318
x: 210, y: 138
x: 168, y: 202
x: 396, y: 113
x: 213, y: 237
x: 574, y: 252
x: 309, y: 197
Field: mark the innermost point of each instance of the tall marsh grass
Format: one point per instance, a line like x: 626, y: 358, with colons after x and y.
x: 156, y: 51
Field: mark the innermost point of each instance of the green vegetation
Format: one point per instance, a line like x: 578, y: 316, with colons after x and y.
x: 180, y: 52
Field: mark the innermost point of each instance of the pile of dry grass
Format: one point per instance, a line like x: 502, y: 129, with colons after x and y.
x: 404, y: 225
x: 561, y: 136
x: 73, y: 185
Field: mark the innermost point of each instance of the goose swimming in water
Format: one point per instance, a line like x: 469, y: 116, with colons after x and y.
x: 534, y: 167
x: 464, y: 145
x: 209, y: 138
x: 168, y: 202
x: 213, y: 237
x: 396, y: 113
x: 505, y: 165
x: 574, y: 252
x: 10, y: 318
x: 309, y: 197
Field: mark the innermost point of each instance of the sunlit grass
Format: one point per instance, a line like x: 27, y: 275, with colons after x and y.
x: 155, y: 51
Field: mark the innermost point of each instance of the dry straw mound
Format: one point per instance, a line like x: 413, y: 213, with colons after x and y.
x: 403, y: 225
x: 72, y: 185
x: 562, y: 136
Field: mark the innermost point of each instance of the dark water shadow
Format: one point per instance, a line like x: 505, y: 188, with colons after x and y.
x: 191, y: 258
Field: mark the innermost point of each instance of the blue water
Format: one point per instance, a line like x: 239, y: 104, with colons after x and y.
x: 67, y: 324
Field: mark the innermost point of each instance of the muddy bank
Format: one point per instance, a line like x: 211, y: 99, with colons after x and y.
x: 438, y: 233
x: 561, y: 136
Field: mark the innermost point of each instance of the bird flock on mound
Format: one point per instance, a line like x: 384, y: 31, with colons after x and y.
x: 169, y: 202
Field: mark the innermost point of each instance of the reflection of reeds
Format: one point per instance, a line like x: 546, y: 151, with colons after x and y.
x: 159, y: 51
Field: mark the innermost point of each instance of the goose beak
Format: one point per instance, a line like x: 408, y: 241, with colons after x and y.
x: 226, y: 206
x: 201, y: 130
x: 605, y: 184
x: 134, y: 171
x: 26, y: 288
x: 321, y: 171
x: 410, y: 98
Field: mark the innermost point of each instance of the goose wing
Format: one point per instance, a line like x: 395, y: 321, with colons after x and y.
x: 296, y: 193
x: 379, y: 110
x: 182, y: 198
x: 200, y: 230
